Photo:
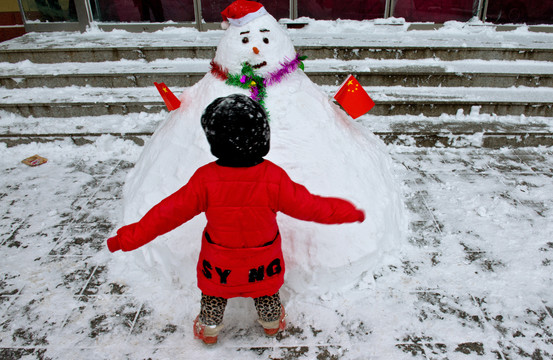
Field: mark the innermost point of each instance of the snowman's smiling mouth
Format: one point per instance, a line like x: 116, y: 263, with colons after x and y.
x: 258, y: 66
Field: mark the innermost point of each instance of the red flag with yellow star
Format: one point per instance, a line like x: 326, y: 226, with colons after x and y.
x: 167, y: 95
x: 353, y: 98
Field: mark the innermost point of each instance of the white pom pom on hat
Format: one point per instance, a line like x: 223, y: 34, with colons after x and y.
x: 241, y: 12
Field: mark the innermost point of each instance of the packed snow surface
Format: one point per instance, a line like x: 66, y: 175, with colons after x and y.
x: 473, y: 282
x: 311, y: 138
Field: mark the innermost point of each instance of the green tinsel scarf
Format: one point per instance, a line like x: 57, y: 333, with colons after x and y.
x: 248, y: 79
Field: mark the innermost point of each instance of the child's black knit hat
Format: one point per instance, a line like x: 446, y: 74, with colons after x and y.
x: 237, y: 130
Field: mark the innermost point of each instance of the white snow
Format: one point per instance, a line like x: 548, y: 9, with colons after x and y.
x: 342, y: 32
x: 468, y: 214
x: 201, y: 66
x: 93, y: 95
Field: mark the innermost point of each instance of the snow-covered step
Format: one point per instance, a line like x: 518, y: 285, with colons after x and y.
x: 186, y: 72
x: 146, y: 123
x: 313, y: 51
x: 394, y: 100
x: 471, y: 129
x: 123, y: 73
x: 317, y: 41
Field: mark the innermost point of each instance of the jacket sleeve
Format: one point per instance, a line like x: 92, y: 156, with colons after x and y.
x: 296, y: 201
x: 167, y: 215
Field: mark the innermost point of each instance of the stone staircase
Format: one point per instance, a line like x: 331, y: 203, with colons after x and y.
x: 430, y: 88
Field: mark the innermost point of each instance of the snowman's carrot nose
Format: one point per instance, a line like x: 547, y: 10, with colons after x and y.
x: 255, y: 50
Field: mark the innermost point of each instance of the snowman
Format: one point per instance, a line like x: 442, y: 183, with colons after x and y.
x: 313, y: 139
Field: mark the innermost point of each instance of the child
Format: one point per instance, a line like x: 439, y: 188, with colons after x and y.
x: 240, y: 193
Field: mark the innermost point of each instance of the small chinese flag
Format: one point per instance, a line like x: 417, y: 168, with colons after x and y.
x: 170, y: 99
x: 353, y: 98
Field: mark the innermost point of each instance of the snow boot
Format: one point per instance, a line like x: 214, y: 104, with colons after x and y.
x: 206, y: 333
x: 272, y: 328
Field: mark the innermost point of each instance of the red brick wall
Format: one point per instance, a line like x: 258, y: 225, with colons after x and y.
x: 11, y: 25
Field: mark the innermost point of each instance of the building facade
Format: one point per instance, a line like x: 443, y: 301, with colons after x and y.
x: 139, y: 15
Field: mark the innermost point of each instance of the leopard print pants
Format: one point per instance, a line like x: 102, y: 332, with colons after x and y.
x: 213, y: 308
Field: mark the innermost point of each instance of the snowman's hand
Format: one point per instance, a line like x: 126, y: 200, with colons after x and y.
x: 113, y: 243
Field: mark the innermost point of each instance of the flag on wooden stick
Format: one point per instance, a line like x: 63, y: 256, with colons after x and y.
x: 167, y: 95
x: 353, y: 98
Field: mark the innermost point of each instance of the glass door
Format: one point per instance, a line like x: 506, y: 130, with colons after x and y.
x: 49, y: 10
x: 340, y: 9
x: 157, y: 11
x: 437, y: 11
x: 520, y: 11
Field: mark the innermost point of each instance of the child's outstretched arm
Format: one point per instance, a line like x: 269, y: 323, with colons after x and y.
x: 170, y: 213
x: 296, y: 201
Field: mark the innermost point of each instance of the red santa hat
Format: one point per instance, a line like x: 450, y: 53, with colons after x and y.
x: 242, y: 12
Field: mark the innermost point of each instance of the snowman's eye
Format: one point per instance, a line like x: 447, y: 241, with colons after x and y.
x: 245, y: 40
x: 265, y: 40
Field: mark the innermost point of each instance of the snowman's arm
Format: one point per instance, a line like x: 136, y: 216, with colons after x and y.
x: 296, y: 201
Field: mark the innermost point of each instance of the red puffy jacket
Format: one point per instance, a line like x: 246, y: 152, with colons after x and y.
x: 241, y: 253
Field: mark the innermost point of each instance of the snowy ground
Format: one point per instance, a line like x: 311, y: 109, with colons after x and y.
x: 474, y: 280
